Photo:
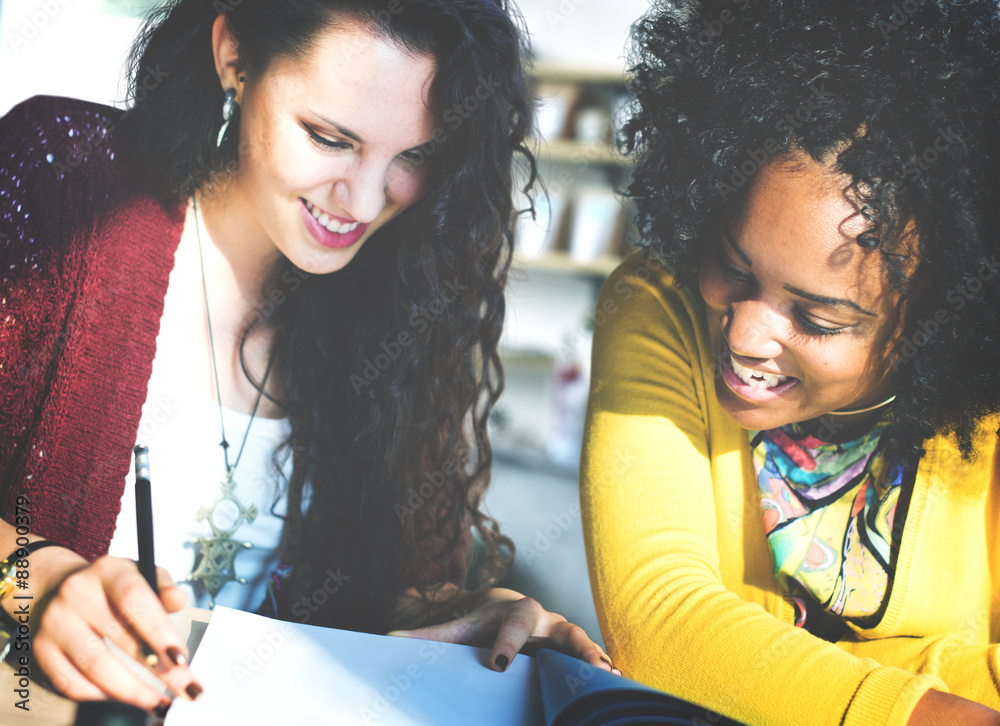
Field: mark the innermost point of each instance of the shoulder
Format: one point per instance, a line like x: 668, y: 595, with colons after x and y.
x: 643, y: 297
x: 56, y: 158
x: 944, y: 463
x: 652, y: 350
x: 61, y: 172
x: 643, y: 276
x: 59, y: 133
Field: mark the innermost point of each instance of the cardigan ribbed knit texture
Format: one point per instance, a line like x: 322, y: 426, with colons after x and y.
x: 86, y: 249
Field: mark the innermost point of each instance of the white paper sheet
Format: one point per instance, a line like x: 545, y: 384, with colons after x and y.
x: 259, y: 671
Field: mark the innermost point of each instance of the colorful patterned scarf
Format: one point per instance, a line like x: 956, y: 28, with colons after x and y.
x: 828, y: 513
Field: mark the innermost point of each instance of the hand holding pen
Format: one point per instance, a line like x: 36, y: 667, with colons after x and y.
x: 80, y: 605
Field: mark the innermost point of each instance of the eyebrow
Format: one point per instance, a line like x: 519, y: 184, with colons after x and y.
x: 821, y: 299
x: 340, y: 129
x: 831, y: 301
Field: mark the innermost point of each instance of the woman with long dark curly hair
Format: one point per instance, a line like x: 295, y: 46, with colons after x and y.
x: 790, y: 469
x: 296, y: 239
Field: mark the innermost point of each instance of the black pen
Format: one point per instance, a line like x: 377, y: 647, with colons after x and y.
x: 144, y: 530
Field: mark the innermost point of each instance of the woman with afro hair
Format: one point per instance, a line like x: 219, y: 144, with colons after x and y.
x: 790, y: 479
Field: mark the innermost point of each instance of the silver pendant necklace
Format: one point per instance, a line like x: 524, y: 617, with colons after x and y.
x: 215, y: 558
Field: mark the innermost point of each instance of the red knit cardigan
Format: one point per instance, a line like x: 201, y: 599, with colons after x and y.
x: 86, y: 249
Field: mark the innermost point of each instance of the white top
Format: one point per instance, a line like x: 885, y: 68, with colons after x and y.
x: 186, y: 468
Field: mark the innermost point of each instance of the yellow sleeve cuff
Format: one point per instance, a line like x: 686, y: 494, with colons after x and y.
x: 888, y: 696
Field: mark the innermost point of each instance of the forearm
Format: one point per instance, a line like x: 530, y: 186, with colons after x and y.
x: 447, y: 602
x: 944, y: 709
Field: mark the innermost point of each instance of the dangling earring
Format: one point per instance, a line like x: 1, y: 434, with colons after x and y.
x: 227, y: 113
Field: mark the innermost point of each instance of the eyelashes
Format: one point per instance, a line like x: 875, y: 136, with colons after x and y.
x: 812, y: 327
x: 731, y: 272
x: 324, y: 142
x: 412, y: 157
x: 741, y: 278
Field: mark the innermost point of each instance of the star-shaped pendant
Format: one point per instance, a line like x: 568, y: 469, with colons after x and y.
x: 215, y: 563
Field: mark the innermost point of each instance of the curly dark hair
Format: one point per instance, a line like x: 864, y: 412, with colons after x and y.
x: 388, y: 368
x: 898, y: 94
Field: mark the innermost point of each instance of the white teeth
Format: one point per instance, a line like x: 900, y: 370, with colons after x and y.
x: 756, y: 379
x: 329, y: 222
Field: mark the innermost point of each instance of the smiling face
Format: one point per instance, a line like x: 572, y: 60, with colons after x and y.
x: 326, y: 143
x: 801, y: 316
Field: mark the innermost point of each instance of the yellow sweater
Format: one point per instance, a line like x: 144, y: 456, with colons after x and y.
x: 680, y: 566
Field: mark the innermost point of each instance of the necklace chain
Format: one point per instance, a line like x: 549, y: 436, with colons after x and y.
x: 215, y: 370
x: 886, y: 402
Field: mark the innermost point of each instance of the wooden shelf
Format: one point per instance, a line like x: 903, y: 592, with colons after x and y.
x: 559, y: 73
x: 573, y: 152
x: 564, y: 263
x: 524, y: 358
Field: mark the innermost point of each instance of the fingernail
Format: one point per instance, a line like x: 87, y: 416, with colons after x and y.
x: 502, y: 661
x: 176, y: 657
x: 161, y: 710
x: 193, y: 691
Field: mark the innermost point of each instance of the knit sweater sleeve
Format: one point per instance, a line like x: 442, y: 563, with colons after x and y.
x: 37, y: 187
x: 86, y: 249
x: 653, y: 533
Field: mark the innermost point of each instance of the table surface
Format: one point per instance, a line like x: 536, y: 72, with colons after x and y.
x: 50, y: 709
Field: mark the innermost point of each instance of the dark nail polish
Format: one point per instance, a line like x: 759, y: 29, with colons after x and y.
x: 161, y: 710
x: 193, y: 691
x: 502, y: 661
x: 176, y: 657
